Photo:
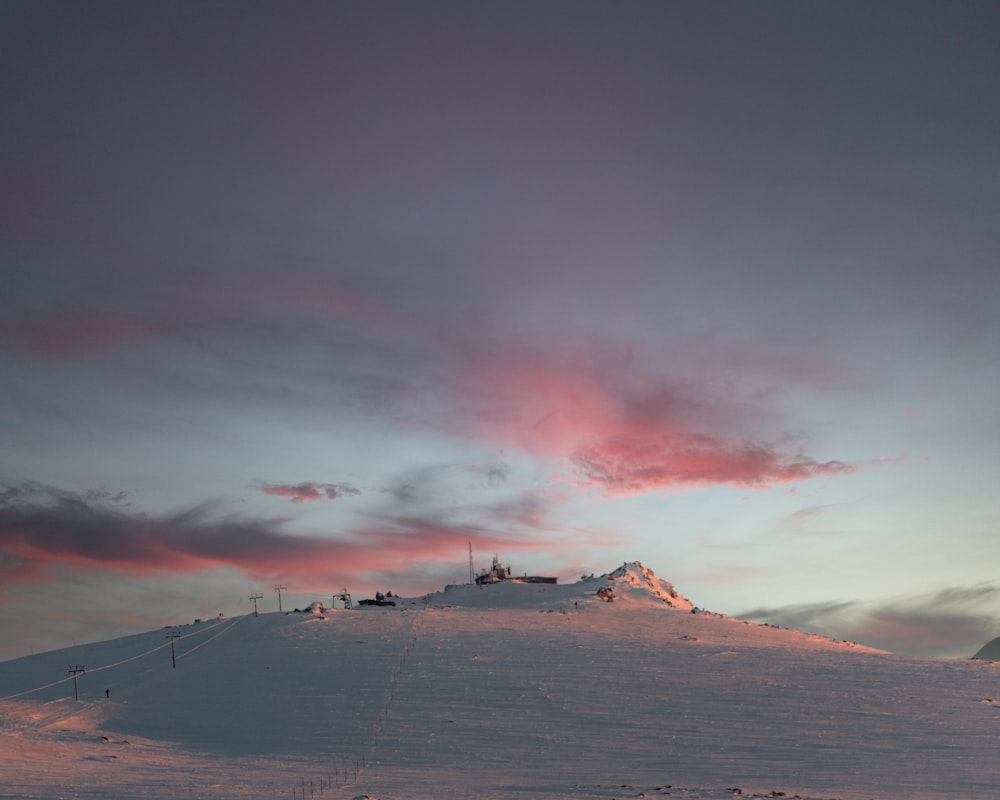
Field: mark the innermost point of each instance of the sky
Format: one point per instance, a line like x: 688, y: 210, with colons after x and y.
x: 319, y: 295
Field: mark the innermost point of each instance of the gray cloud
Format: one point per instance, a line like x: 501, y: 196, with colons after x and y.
x: 810, y: 617
x: 44, y: 529
x: 956, y: 621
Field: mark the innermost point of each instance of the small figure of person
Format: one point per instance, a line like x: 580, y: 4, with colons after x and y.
x: 107, y: 693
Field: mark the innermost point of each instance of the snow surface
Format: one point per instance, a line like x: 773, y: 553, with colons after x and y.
x: 503, y: 691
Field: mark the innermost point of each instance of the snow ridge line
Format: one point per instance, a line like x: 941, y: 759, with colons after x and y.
x: 129, y: 659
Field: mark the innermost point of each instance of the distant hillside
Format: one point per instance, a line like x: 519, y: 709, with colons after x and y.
x: 989, y: 651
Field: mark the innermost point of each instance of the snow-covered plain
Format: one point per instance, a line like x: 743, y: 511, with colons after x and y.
x: 503, y: 691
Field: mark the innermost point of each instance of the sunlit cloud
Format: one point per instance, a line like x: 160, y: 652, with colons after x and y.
x: 43, y: 530
x: 301, y: 492
x: 342, y: 303
x: 626, y: 432
x: 631, y: 466
x: 79, y: 332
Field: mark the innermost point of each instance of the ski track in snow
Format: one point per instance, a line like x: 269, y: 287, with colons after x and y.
x: 531, y: 698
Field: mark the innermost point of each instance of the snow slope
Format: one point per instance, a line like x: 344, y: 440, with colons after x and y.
x: 503, y: 691
x: 989, y: 651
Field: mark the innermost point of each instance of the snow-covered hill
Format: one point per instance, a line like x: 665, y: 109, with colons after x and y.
x: 989, y: 651
x: 503, y: 691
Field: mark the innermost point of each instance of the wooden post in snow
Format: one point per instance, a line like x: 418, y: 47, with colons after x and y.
x: 73, y: 671
x: 173, y: 636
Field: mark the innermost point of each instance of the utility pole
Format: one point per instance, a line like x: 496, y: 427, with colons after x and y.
x: 255, y: 597
x: 172, y: 636
x: 472, y: 572
x: 279, y: 590
x: 73, y: 671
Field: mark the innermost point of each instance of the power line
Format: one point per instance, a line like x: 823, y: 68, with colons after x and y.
x: 172, y: 636
x: 127, y: 660
x: 227, y: 623
x: 210, y: 638
x: 73, y: 671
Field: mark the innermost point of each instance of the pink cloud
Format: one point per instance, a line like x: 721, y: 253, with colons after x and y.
x: 80, y: 332
x: 630, y: 466
x: 44, y: 531
x: 310, y: 491
x: 627, y: 432
x: 40, y: 539
x: 342, y: 303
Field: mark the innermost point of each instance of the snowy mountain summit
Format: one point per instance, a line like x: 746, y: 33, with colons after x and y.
x: 631, y: 584
x: 989, y: 651
x: 633, y: 581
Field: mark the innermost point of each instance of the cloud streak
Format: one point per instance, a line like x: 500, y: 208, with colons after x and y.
x: 630, y: 466
x: 625, y: 431
x: 618, y: 422
x: 958, y: 619
x: 301, y: 492
x: 79, y: 332
x: 43, y: 529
